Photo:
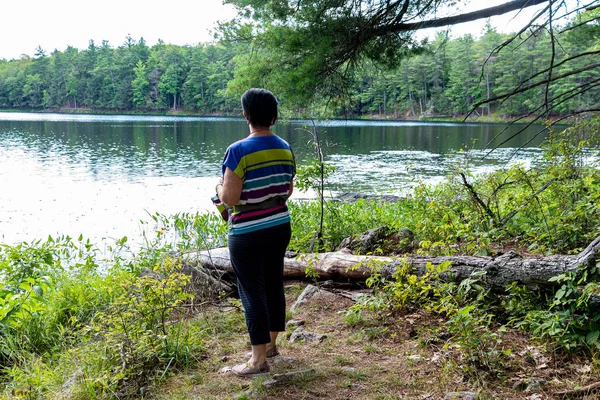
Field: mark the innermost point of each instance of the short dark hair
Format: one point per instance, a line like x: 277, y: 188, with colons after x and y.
x: 260, y: 106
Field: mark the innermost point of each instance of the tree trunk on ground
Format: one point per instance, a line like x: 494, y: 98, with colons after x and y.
x: 500, y: 271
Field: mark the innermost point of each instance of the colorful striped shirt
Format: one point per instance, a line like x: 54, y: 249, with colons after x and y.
x: 266, y: 166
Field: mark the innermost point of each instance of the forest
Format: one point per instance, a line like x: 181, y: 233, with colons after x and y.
x: 446, y: 77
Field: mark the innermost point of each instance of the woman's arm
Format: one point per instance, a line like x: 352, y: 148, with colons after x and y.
x: 230, y: 190
x: 291, y: 189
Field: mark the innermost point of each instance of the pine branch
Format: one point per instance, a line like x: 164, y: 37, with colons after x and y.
x: 461, y: 18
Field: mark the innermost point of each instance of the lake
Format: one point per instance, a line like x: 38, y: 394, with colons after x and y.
x: 100, y: 175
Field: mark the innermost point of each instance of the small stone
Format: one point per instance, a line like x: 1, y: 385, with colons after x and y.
x: 535, y: 396
x: 300, y: 335
x: 225, y: 370
x: 415, y: 357
x: 528, y: 385
x: 294, y: 323
x: 462, y: 396
x: 224, y: 358
x: 533, y: 385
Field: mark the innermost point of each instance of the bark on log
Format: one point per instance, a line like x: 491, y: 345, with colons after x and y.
x: 500, y: 271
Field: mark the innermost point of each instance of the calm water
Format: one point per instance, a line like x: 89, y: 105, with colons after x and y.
x: 100, y: 175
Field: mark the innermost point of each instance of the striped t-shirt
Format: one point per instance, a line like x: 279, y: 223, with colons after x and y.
x: 266, y: 166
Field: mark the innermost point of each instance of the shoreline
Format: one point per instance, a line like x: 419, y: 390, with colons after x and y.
x: 375, y: 118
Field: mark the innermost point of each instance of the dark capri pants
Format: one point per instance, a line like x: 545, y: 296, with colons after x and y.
x: 257, y: 259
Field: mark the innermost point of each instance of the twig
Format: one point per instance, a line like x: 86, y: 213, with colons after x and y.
x: 476, y: 197
x: 510, y: 215
x: 577, y: 90
x: 167, y: 368
x: 580, y: 24
x: 551, y: 68
x: 554, y: 78
x: 580, y: 392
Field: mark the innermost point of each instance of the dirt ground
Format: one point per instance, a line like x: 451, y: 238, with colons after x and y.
x: 403, y: 356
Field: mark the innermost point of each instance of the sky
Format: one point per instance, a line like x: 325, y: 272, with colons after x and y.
x: 55, y: 24
x: 27, y: 24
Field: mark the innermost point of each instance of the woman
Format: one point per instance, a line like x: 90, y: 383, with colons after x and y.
x: 257, y: 180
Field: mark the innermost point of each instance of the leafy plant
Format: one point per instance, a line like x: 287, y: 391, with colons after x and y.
x: 142, y: 331
x: 571, y: 319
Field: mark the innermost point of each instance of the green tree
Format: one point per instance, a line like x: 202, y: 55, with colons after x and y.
x: 140, y: 85
x: 169, y: 83
x: 462, y: 80
x: 33, y: 91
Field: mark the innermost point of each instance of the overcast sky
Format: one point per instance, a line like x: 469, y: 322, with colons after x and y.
x: 55, y: 24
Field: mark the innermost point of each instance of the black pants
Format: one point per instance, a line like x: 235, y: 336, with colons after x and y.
x: 257, y: 259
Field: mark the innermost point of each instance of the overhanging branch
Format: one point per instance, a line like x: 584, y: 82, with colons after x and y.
x: 461, y: 18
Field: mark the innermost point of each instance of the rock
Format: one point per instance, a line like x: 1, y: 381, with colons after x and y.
x: 535, y: 396
x: 282, y: 379
x: 300, y: 335
x: 462, y: 396
x: 528, y: 385
x: 225, y: 370
x: 381, y: 238
x: 294, y: 323
x: 311, y: 292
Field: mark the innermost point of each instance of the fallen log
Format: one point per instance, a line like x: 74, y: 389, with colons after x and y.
x: 341, y: 265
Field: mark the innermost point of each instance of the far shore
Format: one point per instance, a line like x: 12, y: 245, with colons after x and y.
x: 494, y: 119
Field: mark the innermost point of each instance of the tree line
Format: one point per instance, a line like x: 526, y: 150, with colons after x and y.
x: 133, y: 76
x: 448, y: 76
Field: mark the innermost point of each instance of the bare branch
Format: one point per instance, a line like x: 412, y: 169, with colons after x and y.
x: 580, y: 24
x: 587, y: 53
x: 556, y: 122
x: 551, y: 68
x: 580, y: 90
x: 511, y: 39
x: 510, y: 215
x: 554, y: 78
x: 476, y: 197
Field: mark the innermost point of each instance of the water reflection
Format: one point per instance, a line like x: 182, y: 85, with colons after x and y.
x: 100, y: 175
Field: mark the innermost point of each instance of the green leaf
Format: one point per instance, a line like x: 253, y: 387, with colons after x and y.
x: 592, y: 337
x: 38, y: 290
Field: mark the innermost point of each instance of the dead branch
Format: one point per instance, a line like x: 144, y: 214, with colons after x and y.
x: 593, y: 388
